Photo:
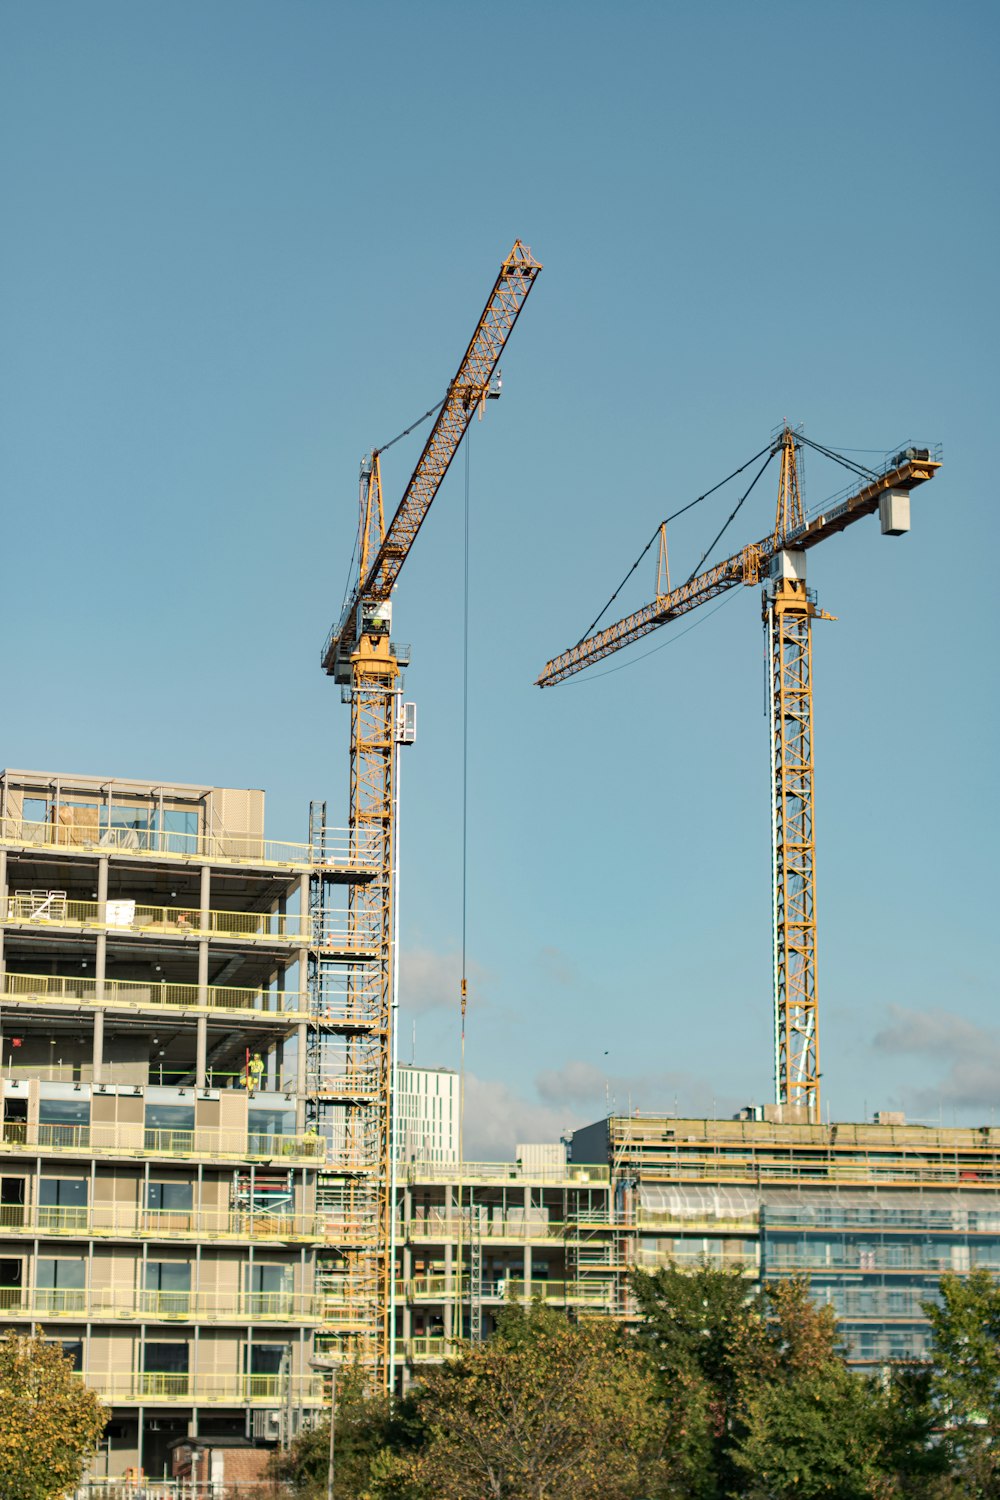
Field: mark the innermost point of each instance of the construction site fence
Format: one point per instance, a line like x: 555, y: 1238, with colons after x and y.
x: 335, y: 847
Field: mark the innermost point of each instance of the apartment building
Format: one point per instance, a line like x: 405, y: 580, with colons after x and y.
x: 159, y: 1159
x: 874, y: 1214
x: 473, y: 1237
x: 427, y: 1108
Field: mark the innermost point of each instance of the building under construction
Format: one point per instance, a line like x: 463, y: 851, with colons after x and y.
x: 181, y: 996
x: 874, y: 1214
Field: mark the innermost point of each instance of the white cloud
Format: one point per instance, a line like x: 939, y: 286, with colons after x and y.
x: 432, y: 981
x: 595, y: 1089
x: 497, y: 1118
x: 972, y: 1079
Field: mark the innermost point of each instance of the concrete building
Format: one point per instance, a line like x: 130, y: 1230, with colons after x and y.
x: 158, y: 1169
x: 873, y: 1214
x: 427, y: 1107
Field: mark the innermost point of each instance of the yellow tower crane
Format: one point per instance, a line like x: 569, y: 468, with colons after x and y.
x: 360, y: 655
x: 789, y: 608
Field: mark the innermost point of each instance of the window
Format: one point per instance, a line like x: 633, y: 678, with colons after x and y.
x: 168, y: 1287
x: 72, y: 1350
x: 170, y: 1197
x: 269, y: 1366
x: 180, y: 831
x: 35, y: 809
x: 169, y: 1116
x: 270, y: 1290
x: 165, y: 1370
x: 62, y: 1203
x: 64, y: 1111
x: 60, y: 1285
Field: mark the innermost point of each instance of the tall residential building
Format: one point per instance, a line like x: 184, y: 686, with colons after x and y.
x: 427, y: 1108
x: 159, y: 1158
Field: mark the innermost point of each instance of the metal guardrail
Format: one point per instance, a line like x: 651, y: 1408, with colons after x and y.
x: 472, y: 1173
x: 109, y: 1302
x: 54, y: 909
x: 140, y: 993
x: 336, y: 848
x: 124, y: 1140
x: 131, y: 1222
x: 203, y: 1389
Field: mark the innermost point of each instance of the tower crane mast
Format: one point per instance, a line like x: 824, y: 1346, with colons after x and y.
x: 360, y: 655
x: 789, y: 607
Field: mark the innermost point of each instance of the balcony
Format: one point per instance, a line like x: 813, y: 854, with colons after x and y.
x: 128, y: 1221
x: 120, y: 1304
x: 53, y: 909
x: 444, y: 1227
x: 507, y: 1289
x: 130, y: 994
x: 126, y: 1140
x: 207, y: 1390
x: 338, y: 849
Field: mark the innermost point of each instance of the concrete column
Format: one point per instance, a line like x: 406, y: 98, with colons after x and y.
x: 303, y: 903
x: 98, y: 1045
x: 527, y: 1246
x: 301, y: 1047
x: 449, y: 1286
x: 101, y: 956
x: 201, y: 1053
x: 203, y: 971
x: 201, y: 1034
x: 3, y: 908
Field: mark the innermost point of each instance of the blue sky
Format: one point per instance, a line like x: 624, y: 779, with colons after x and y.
x: 244, y: 242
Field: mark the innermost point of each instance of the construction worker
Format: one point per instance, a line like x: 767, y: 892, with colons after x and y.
x: 255, y: 1072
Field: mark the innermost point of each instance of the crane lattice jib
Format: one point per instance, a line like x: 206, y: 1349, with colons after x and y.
x: 466, y: 391
x: 747, y: 566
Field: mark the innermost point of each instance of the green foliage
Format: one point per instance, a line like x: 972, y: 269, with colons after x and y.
x: 50, y: 1423
x: 545, y: 1410
x: 722, y: 1394
x: 966, y: 1378
x: 785, y: 1415
x: 367, y: 1426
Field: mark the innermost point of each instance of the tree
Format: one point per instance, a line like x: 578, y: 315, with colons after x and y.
x: 544, y: 1410
x: 50, y: 1423
x: 786, y: 1415
x: 708, y: 1341
x: 366, y: 1426
x: 965, y: 1379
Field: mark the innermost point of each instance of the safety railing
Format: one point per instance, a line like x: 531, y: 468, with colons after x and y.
x: 473, y: 1172
x: 54, y: 909
x: 128, y: 1221
x: 427, y: 1346
x: 110, y: 1302
x: 202, y: 1389
x: 337, y: 848
x: 511, y: 1227
x: 880, y: 1168
x: 124, y: 1139
x: 443, y: 1288
x: 139, y: 994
